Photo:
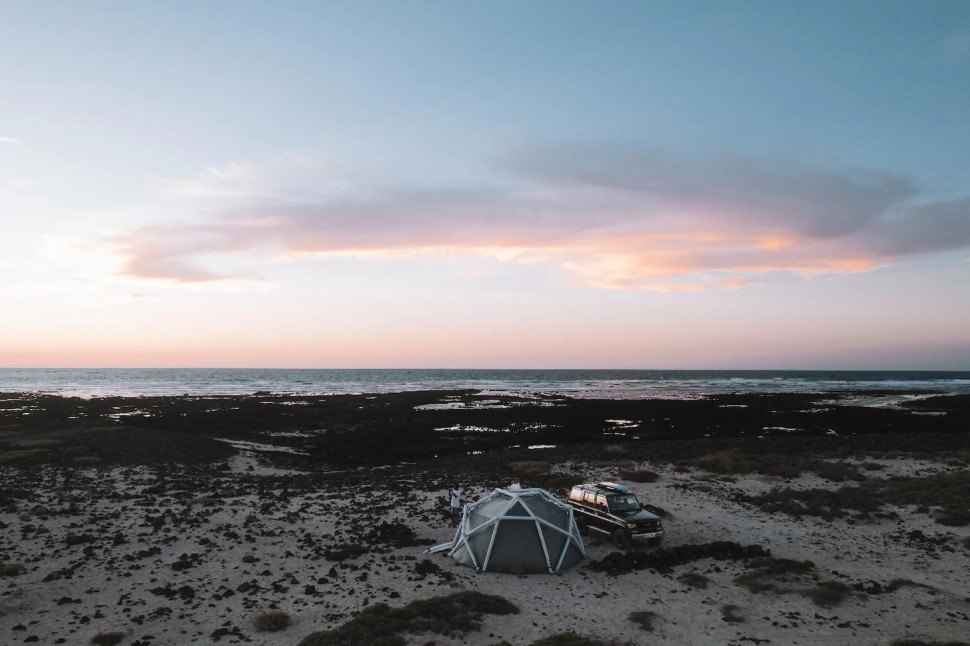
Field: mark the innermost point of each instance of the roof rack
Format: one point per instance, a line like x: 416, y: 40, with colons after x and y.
x: 613, y: 486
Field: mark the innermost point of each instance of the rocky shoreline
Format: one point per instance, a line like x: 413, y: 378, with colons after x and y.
x: 185, y: 520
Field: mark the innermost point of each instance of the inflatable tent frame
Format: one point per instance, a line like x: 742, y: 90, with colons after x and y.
x: 461, y: 547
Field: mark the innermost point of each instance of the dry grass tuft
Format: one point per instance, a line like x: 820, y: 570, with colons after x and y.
x: 563, y: 480
x: 530, y: 467
x: 641, y: 475
x: 108, y: 639
x: 948, y: 491
x: 381, y: 625
x: 769, y: 573
x: 272, y: 621
x: 203, y: 501
x: 344, y: 551
x: 644, y: 619
x: 782, y: 466
x: 16, y: 456
x: 694, y: 580
x: 12, y: 569
x: 732, y: 615
x: 36, y: 444
x: 828, y: 594
x: 569, y: 639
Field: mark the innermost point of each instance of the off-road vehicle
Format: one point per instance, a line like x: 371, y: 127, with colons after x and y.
x: 613, y: 509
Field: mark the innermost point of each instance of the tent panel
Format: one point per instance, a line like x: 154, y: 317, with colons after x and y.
x: 555, y: 541
x: 517, y: 510
x: 492, y: 507
x: 510, y: 528
x: 517, y: 549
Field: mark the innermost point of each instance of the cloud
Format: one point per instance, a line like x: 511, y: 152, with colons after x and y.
x: 610, y: 218
x: 9, y: 140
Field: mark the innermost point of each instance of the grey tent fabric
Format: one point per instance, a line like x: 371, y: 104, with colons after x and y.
x: 518, y: 531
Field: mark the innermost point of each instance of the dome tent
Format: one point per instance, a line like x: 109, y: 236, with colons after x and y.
x: 518, y: 531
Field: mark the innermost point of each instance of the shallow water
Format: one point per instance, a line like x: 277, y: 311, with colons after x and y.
x: 611, y: 384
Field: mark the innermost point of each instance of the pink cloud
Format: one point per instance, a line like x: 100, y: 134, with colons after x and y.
x: 611, y: 218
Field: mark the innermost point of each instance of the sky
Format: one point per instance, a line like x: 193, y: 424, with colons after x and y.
x: 485, y: 184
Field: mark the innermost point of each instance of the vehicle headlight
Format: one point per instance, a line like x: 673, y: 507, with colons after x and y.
x: 631, y: 525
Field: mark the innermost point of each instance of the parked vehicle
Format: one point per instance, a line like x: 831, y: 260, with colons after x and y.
x: 613, y: 509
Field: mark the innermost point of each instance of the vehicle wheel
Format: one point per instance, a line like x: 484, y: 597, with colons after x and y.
x: 622, y: 538
x: 582, y: 527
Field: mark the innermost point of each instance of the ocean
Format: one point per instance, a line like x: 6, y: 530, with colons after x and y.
x: 610, y: 384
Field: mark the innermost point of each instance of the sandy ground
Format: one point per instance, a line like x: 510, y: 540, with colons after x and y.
x: 176, y: 557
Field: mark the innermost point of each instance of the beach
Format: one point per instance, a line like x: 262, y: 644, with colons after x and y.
x: 790, y: 518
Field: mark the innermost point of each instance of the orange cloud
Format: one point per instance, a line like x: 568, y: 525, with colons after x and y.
x: 614, y: 221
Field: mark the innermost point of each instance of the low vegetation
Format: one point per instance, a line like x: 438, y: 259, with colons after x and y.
x: 344, y: 551
x: 569, y: 639
x: 773, y: 574
x: 381, y: 625
x: 563, y: 480
x: 530, y: 467
x: 644, y: 619
x: 782, y: 466
x: 828, y: 593
x: 943, y: 495
x: 732, y: 614
x: 784, y: 576
x: 694, y: 580
x: 203, y: 501
x: 108, y: 639
x: 21, y: 455
x: 271, y: 621
x: 12, y: 569
x: 641, y: 475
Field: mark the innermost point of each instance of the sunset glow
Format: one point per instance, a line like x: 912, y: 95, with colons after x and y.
x: 641, y: 185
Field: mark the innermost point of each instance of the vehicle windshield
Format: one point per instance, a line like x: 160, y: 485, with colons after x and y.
x: 627, y: 502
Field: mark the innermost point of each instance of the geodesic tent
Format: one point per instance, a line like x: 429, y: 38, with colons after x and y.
x: 518, y: 531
